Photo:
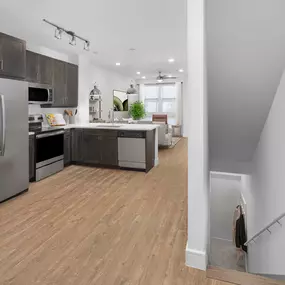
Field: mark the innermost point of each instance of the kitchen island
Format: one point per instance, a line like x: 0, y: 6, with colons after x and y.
x: 128, y: 146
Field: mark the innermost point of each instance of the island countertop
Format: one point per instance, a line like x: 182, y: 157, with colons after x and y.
x: 109, y: 126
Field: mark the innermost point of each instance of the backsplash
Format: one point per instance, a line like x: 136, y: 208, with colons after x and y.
x: 36, y: 109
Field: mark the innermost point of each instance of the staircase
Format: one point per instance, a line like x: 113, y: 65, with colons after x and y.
x: 243, y: 278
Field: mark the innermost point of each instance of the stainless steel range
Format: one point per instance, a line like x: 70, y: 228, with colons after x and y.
x: 49, y: 147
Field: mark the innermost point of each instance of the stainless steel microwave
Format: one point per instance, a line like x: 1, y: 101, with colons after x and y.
x: 40, y: 94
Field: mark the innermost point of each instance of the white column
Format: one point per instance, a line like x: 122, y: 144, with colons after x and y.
x: 198, y: 172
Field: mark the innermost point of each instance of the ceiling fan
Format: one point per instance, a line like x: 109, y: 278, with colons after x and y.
x: 161, y: 77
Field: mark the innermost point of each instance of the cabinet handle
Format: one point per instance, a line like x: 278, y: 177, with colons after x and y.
x: 1, y: 64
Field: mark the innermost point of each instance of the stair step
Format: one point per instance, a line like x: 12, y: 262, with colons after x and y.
x: 239, y: 278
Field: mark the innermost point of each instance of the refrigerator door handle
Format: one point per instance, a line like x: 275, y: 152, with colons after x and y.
x: 3, y: 125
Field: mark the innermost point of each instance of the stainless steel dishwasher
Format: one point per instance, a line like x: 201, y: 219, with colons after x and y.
x: 132, y: 149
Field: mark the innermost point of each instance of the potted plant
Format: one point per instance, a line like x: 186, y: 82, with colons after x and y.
x: 137, y: 110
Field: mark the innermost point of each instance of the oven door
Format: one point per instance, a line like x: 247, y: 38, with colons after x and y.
x: 49, y: 148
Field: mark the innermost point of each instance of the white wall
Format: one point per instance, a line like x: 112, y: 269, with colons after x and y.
x: 107, y: 81
x: 198, y: 171
x: 246, y: 58
x: 266, y: 196
x: 225, y: 196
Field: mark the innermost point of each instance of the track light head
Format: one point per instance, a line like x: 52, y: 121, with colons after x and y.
x: 87, y: 45
x: 73, y: 40
x: 58, y: 33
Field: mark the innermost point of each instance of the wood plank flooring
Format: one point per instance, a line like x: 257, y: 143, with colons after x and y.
x: 89, y: 226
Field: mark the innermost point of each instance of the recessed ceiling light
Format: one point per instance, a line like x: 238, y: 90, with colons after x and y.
x: 143, y: 77
x: 118, y: 63
x: 171, y: 60
x: 181, y: 70
x: 138, y: 73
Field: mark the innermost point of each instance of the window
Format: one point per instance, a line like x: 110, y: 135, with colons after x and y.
x: 160, y: 99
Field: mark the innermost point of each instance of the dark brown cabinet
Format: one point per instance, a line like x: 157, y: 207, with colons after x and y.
x: 91, y: 147
x: 39, y: 68
x: 67, y: 147
x: 31, y: 157
x: 12, y: 57
x: 45, y: 74
x: 62, y: 76
x: 32, y: 67
x: 100, y: 147
x: 72, y: 85
x: 59, y: 84
x: 77, y: 145
x: 109, y: 150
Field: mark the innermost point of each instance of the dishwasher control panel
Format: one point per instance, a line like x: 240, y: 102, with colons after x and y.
x: 132, y: 134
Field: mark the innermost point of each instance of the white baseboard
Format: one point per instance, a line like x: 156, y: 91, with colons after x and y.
x: 196, y: 258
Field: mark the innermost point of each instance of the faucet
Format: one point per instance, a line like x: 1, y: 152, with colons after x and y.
x: 111, y: 115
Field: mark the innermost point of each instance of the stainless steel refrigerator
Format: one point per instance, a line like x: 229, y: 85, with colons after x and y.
x: 14, y: 138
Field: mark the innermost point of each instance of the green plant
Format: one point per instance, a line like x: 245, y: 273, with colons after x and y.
x: 137, y: 110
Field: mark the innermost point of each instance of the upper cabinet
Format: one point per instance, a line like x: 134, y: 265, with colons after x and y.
x: 45, y: 69
x: 32, y: 67
x: 12, y: 57
x: 59, y: 84
x: 62, y: 76
x: 39, y: 68
x: 72, y: 85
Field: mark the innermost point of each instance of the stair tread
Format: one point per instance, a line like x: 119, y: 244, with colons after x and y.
x: 240, y: 278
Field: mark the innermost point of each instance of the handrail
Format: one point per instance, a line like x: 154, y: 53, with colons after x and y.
x: 277, y: 220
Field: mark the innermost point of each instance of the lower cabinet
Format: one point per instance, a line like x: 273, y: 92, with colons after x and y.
x: 31, y: 158
x: 77, y: 145
x: 95, y: 147
x: 91, y: 147
x: 109, y: 150
x: 67, y: 147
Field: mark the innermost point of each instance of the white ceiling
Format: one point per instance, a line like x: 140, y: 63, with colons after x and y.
x: 246, y: 57
x: 156, y: 29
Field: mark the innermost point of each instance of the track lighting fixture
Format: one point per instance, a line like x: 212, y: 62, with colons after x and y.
x: 59, y: 31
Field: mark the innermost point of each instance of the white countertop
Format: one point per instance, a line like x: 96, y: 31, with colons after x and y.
x: 119, y: 127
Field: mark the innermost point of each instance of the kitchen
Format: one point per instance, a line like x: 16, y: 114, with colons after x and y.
x: 32, y: 150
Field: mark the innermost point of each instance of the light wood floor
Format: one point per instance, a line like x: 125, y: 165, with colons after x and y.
x: 89, y: 226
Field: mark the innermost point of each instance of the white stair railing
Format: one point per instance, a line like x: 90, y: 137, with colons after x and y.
x: 267, y: 228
